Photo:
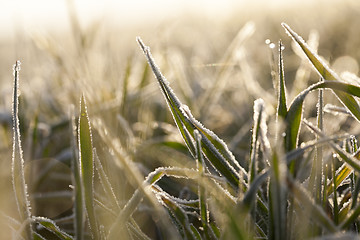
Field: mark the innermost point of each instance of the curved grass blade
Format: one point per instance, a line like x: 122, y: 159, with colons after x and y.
x: 213, y: 147
x: 179, y: 216
x: 52, y: 227
x: 17, y: 162
x: 294, y: 115
x: 87, y: 166
x: 325, y: 72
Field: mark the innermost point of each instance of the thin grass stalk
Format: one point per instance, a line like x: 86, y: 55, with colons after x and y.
x: 78, y: 208
x: 319, y: 149
x: 17, y: 163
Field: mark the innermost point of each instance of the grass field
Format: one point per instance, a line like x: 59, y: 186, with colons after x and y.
x: 238, y: 136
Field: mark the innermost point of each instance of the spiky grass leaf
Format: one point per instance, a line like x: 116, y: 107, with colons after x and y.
x: 281, y: 109
x: 52, y: 227
x: 87, y: 166
x: 325, y: 72
x: 17, y: 162
x: 213, y: 147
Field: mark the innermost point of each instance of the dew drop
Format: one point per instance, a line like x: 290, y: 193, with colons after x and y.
x: 282, y: 47
x: 283, y: 134
x: 267, y: 41
x: 272, y: 45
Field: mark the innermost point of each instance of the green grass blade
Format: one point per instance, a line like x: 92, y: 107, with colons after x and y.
x: 52, y: 227
x: 294, y: 116
x: 87, y: 166
x: 325, y: 72
x: 281, y: 109
x: 17, y: 162
x: 277, y: 197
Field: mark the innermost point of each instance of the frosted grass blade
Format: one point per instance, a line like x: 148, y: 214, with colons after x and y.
x: 52, y: 227
x: 325, y: 72
x: 17, y: 162
x: 179, y: 216
x: 87, y: 166
x: 213, y: 147
x: 259, y: 106
x: 281, y: 109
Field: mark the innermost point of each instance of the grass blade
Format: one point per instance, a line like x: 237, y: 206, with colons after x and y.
x: 259, y: 106
x: 347, y: 157
x: 294, y: 115
x: 305, y: 200
x: 277, y: 197
x: 17, y: 168
x: 325, y: 72
x: 78, y: 208
x: 213, y: 147
x: 87, y: 166
x: 281, y: 109
x: 52, y: 227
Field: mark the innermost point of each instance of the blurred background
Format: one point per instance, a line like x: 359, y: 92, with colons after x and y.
x: 216, y: 55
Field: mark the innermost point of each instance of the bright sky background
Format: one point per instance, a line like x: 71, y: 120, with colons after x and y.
x: 40, y: 15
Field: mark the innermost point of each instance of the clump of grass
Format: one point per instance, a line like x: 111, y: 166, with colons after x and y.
x: 214, y: 195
